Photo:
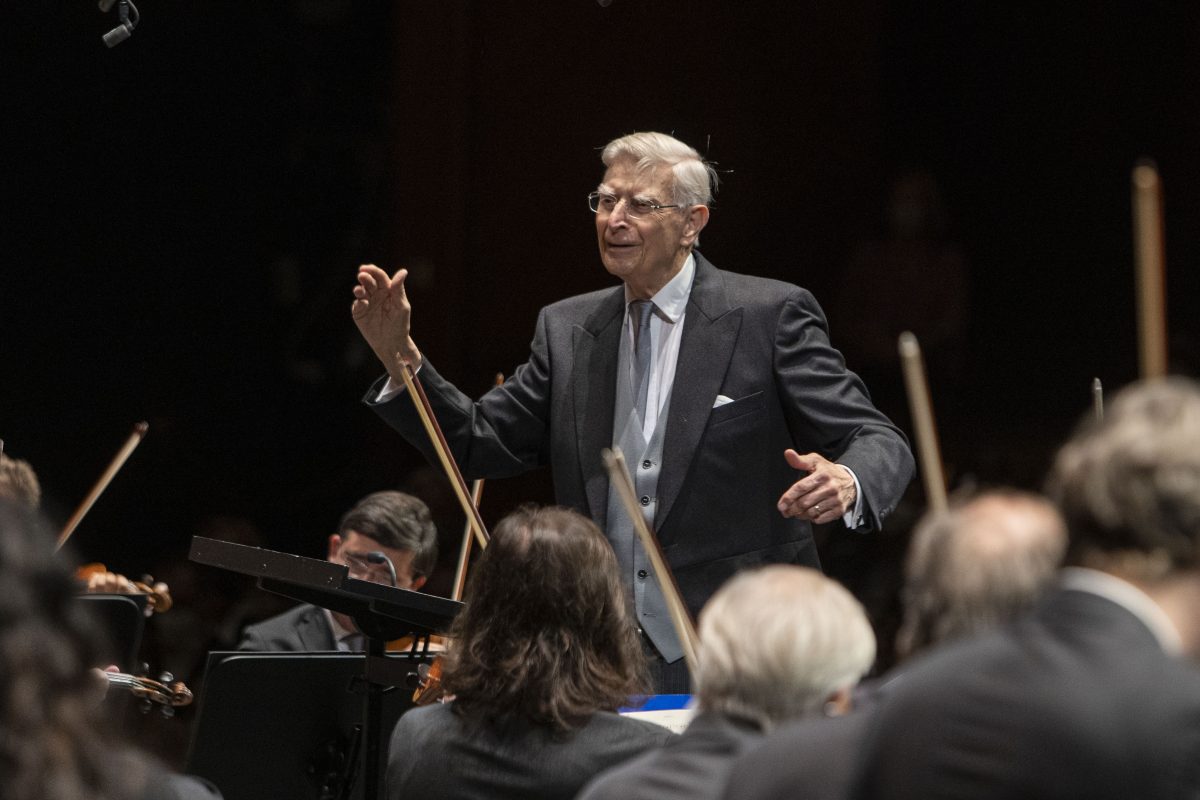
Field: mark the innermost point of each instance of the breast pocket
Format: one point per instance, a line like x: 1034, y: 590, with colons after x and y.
x: 749, y: 404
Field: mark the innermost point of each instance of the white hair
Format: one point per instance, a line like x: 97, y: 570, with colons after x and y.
x: 776, y: 643
x: 694, y: 179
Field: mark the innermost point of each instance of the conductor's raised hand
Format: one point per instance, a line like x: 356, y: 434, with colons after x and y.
x: 823, y: 495
x: 383, y: 315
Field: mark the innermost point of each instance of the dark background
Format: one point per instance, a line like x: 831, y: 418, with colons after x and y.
x: 184, y: 214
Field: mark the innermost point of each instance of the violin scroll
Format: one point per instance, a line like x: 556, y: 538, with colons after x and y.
x: 166, y: 692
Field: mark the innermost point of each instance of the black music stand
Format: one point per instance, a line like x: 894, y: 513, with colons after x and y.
x: 381, y: 613
x: 122, y: 617
x: 249, y: 740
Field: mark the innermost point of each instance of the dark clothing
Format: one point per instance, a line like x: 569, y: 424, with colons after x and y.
x: 691, y: 767
x: 1076, y: 700
x: 761, y: 343
x: 811, y: 759
x: 435, y: 755
x: 300, y: 629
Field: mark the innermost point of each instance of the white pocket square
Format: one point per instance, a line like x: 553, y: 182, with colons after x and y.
x: 721, y: 400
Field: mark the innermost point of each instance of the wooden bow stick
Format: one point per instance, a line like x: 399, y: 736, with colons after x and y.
x: 464, y: 551
x: 421, y: 401
x: 1097, y: 399
x: 922, y: 413
x: 685, y: 629
x: 1150, y: 257
x: 135, y: 438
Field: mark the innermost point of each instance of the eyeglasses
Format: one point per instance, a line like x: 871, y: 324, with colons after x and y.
x: 635, y: 207
x: 372, y: 566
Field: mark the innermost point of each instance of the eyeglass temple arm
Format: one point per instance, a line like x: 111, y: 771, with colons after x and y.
x: 376, y: 557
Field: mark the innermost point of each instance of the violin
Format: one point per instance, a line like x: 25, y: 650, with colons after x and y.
x: 166, y: 693
x: 98, y: 580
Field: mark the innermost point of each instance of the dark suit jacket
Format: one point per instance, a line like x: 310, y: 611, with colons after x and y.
x: 761, y: 343
x: 692, y: 767
x: 300, y: 629
x: 1077, y: 700
x: 434, y: 755
x: 812, y: 759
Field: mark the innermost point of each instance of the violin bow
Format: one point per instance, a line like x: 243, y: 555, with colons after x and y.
x: 135, y: 438
x: 1150, y: 257
x: 1097, y: 399
x: 681, y: 618
x: 417, y: 392
x: 922, y: 413
x: 464, y: 550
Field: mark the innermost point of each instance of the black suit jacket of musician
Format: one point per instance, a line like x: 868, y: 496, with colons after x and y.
x: 759, y: 342
x: 301, y: 629
x: 1077, y: 700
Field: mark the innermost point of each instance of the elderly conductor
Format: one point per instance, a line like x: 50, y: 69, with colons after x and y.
x: 739, y: 420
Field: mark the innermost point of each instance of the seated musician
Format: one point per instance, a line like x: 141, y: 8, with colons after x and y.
x: 54, y: 742
x: 541, y: 657
x: 776, y: 644
x: 388, y: 538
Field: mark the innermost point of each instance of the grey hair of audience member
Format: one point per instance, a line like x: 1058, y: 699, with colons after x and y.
x: 981, y: 563
x: 778, y: 642
x: 1129, y: 485
x: 398, y: 521
x: 19, y: 483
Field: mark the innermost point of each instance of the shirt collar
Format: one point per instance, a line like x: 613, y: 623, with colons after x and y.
x: 1128, y: 597
x: 671, y: 300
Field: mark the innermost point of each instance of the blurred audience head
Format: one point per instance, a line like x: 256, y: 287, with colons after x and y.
x: 1129, y: 485
x: 780, y: 643
x: 980, y: 563
x: 19, y: 483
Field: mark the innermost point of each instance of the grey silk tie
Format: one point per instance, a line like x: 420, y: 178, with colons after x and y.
x: 641, y: 311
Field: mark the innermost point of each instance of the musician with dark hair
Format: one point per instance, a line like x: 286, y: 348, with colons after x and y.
x: 54, y: 743
x: 542, y: 656
x: 387, y: 538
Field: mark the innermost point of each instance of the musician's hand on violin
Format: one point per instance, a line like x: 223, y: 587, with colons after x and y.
x: 383, y: 315
x: 110, y: 583
x: 825, y: 494
x: 100, y: 681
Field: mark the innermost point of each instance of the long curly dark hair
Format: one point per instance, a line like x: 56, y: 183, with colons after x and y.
x: 546, y: 634
x: 53, y: 742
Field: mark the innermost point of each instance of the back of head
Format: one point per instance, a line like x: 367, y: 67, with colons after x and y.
x: 51, y: 747
x: 776, y: 643
x: 1129, y: 485
x: 545, y: 634
x: 19, y: 483
x: 694, y: 178
x: 396, y: 520
x: 980, y: 563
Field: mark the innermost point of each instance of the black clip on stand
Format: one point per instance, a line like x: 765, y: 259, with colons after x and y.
x: 382, y: 613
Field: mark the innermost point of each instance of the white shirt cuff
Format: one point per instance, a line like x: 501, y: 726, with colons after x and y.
x: 854, y: 517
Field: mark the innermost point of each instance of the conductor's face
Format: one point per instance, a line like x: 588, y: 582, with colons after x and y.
x: 642, y: 243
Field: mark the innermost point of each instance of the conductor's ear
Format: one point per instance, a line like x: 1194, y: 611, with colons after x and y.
x: 696, y: 220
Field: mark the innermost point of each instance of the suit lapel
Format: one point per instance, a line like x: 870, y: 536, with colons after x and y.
x: 593, y: 380
x: 710, y: 332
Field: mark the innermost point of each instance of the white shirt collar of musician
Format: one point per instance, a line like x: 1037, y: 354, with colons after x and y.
x: 671, y: 300
x: 1128, y: 597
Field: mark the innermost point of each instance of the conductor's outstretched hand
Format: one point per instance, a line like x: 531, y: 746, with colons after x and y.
x: 383, y: 315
